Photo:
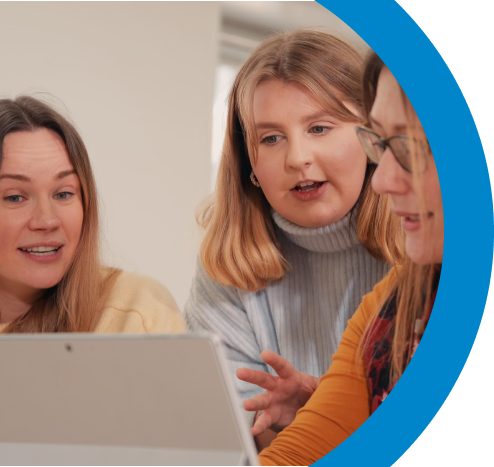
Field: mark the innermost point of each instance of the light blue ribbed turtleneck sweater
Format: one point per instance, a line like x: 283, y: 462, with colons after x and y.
x: 303, y: 316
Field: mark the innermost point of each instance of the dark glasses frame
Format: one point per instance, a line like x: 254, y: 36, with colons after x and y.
x: 387, y: 143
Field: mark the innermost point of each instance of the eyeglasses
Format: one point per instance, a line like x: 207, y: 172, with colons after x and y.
x: 374, y: 146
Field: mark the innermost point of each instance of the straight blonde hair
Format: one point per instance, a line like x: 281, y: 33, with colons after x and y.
x: 74, y: 304
x: 240, y: 247
x: 413, y: 284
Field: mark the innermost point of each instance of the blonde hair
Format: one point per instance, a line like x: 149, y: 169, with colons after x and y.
x: 74, y: 304
x: 240, y: 247
x: 413, y: 283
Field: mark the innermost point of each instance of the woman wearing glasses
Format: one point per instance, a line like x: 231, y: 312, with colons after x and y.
x: 295, y: 236
x: 383, y: 334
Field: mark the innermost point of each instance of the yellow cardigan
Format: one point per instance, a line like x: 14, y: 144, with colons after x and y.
x: 138, y: 304
x: 341, y: 402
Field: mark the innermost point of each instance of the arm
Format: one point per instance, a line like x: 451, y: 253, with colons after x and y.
x: 339, y: 405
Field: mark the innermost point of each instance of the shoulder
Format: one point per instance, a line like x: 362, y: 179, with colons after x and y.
x: 132, y: 290
x: 138, y: 303
x: 372, y: 302
x: 210, y: 305
x: 207, y: 290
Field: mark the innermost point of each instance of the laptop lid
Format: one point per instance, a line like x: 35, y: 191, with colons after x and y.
x: 72, y: 399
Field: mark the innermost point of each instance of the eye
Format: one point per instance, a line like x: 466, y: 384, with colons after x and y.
x: 14, y: 199
x: 63, y: 195
x: 319, y: 129
x: 272, y: 139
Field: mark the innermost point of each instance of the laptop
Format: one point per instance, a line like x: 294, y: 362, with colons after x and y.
x: 96, y: 399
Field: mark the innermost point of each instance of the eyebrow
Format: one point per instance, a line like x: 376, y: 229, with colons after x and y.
x: 307, y: 118
x: 64, y: 174
x: 266, y: 125
x: 24, y: 178
x: 316, y: 116
x: 21, y: 178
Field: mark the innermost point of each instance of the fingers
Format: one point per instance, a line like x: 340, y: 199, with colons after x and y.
x: 262, y: 423
x: 260, y: 378
x: 260, y: 402
x: 281, y: 365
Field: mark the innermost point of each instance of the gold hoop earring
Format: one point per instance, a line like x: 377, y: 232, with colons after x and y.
x: 254, y: 180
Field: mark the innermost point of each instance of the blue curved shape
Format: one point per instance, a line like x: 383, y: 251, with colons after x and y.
x: 468, y: 243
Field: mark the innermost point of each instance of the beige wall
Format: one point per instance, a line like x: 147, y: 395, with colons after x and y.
x: 137, y: 80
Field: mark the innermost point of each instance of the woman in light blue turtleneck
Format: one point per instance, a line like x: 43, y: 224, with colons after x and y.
x: 295, y: 237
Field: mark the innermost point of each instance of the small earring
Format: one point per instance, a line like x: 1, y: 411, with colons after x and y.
x: 254, y: 180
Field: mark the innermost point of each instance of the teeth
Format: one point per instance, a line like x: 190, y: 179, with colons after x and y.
x: 41, y: 249
x: 306, y: 184
x: 413, y: 218
x: 46, y: 253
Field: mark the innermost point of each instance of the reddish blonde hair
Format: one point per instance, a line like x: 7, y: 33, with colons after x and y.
x: 240, y: 247
x: 413, y: 283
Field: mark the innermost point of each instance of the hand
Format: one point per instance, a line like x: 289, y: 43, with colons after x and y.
x: 285, y: 393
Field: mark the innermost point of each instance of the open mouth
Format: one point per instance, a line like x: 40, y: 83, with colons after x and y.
x: 306, y: 187
x: 41, y: 250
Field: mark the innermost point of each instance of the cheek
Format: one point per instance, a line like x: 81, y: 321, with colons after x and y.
x: 433, y: 193
x: 270, y: 171
x: 72, y: 221
x: 12, y: 226
x: 438, y: 228
x: 346, y: 165
x: 269, y: 162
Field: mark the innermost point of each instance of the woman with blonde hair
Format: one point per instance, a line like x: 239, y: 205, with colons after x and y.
x: 294, y: 235
x: 51, y: 276
x: 384, y: 333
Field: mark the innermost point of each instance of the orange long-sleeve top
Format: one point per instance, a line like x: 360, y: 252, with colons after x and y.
x: 341, y: 402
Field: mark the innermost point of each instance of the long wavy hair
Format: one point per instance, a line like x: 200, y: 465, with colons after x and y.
x: 413, y: 283
x: 240, y: 247
x: 75, y: 303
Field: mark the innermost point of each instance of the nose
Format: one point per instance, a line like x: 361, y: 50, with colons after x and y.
x: 390, y: 177
x: 299, y: 155
x: 44, y: 217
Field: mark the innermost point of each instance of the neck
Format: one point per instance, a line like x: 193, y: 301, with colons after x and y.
x: 14, y: 303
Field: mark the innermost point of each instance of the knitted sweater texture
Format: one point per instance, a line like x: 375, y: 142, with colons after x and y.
x: 303, y: 316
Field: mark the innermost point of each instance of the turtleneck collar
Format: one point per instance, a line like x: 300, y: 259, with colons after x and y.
x: 331, y: 238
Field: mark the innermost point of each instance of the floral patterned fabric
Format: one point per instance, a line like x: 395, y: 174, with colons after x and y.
x: 378, y: 352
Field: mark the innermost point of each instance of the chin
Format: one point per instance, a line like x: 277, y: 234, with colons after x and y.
x: 43, y: 283
x: 423, y: 254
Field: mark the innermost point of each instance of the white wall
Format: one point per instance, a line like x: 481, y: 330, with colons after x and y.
x: 137, y: 79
